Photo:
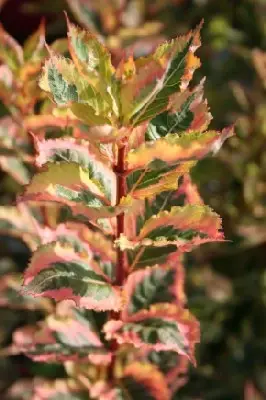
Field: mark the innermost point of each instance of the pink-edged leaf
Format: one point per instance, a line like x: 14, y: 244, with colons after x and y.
x: 86, y: 240
x: 73, y: 150
x: 150, y: 286
x: 179, y: 229
x: 78, y: 333
x: 82, y: 238
x: 187, y: 111
x: 60, y: 273
x: 196, y: 217
x: 190, y: 191
x: 164, y: 327
x: 26, y: 339
x: 68, y: 334
x: 69, y: 183
x: 176, y: 62
x: 175, y: 148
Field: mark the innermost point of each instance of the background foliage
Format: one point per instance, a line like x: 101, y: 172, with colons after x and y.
x: 225, y: 282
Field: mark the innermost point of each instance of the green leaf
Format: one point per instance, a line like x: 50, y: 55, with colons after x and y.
x: 181, y: 227
x: 62, y: 79
x: 150, y: 255
x: 150, y: 286
x: 63, y: 91
x: 168, y: 122
x: 170, y: 82
x: 162, y: 202
x: 164, y: 360
x: 156, y: 178
x: 154, y: 330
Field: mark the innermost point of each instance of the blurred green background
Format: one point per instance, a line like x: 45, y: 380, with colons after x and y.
x: 226, y: 283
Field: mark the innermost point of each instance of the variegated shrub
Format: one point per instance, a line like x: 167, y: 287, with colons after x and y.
x: 109, y: 247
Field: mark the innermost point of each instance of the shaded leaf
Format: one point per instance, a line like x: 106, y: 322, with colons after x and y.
x: 161, y: 328
x: 148, y: 181
x: 147, y: 287
x: 168, y: 122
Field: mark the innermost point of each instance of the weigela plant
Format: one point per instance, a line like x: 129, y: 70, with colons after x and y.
x: 109, y: 247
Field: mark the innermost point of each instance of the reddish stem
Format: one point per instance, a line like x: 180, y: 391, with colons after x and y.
x: 119, y: 169
x: 121, y: 192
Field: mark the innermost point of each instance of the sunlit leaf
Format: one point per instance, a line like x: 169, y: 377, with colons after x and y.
x: 176, y: 148
x: 59, y: 272
x: 185, y: 227
x: 93, y: 61
x: 72, y: 184
x: 172, y: 66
